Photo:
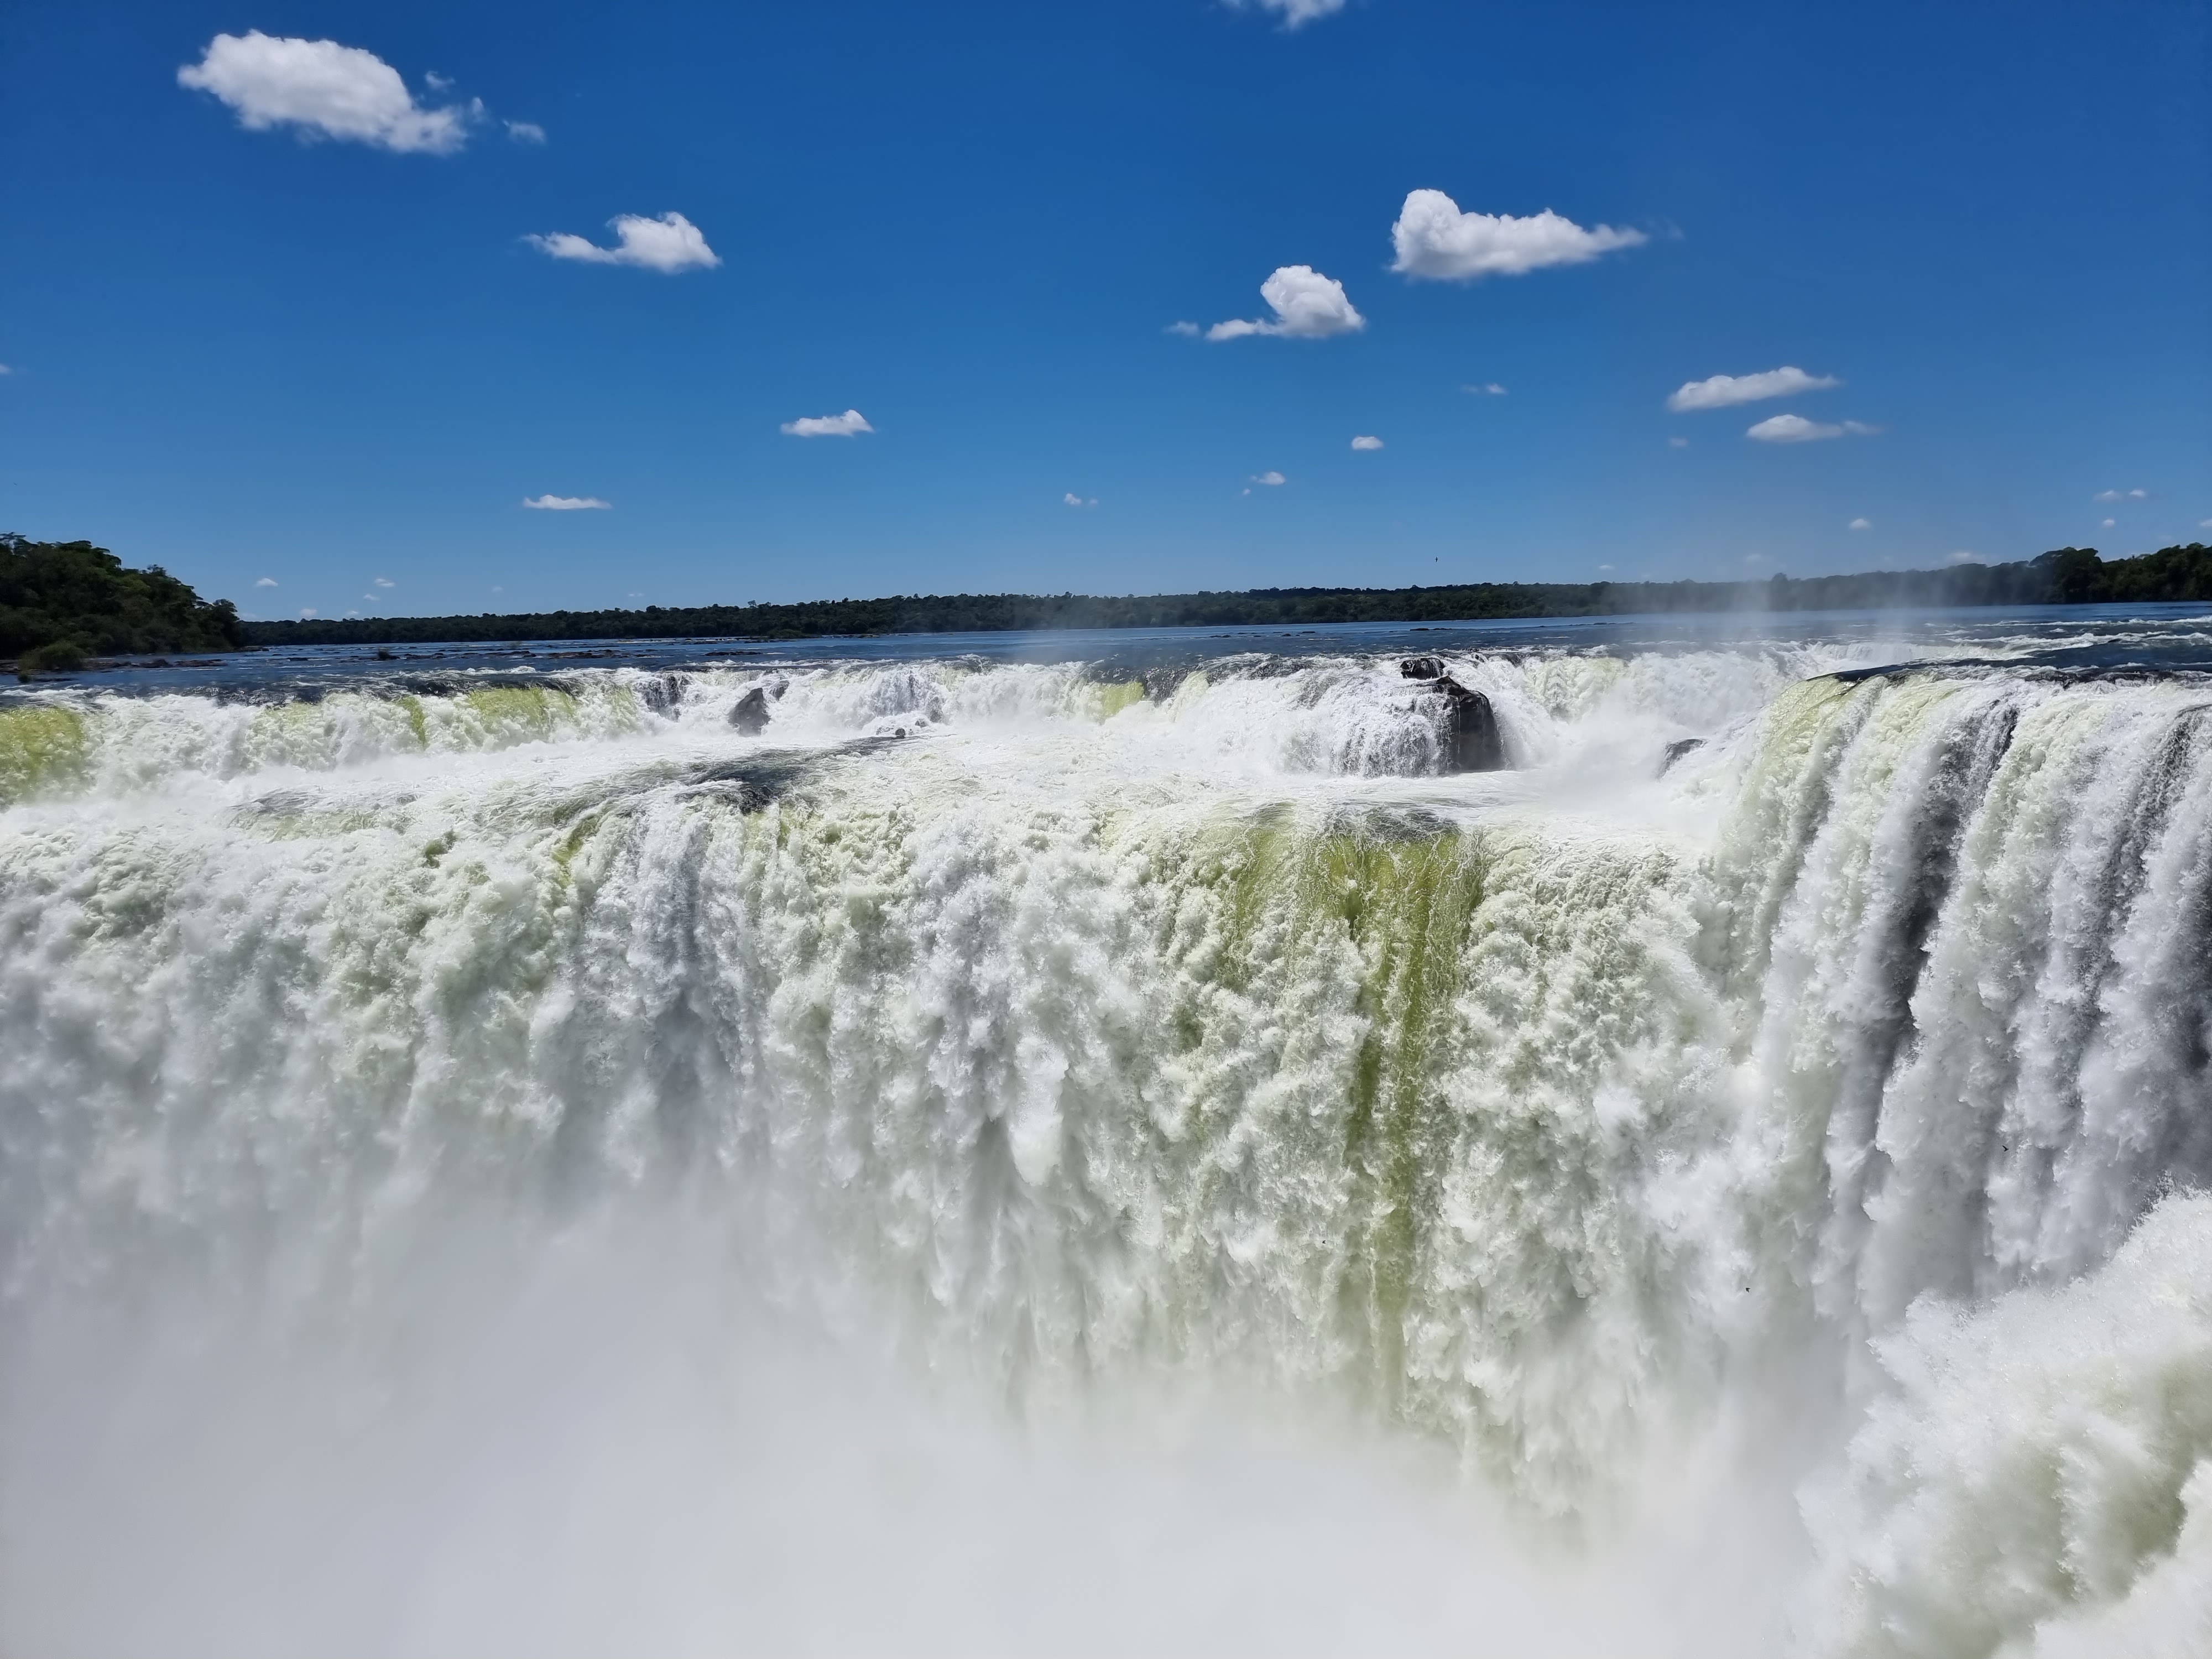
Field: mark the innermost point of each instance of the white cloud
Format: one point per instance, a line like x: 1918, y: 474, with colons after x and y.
x: 525, y: 132
x: 307, y: 611
x: 565, y: 503
x: 1756, y: 558
x: 4, y: 369
x: 1860, y: 524
x: 850, y: 424
x: 1722, y: 390
x: 1487, y: 389
x: 1678, y: 443
x: 1074, y: 500
x: 436, y: 81
x: 2205, y: 524
x: 1295, y: 14
x: 324, y: 89
x: 1962, y: 556
x: 1367, y: 443
x: 266, y: 582
x: 669, y: 244
x: 1269, y: 477
x: 2108, y: 524
x: 1308, y: 306
x: 2121, y: 495
x: 1187, y: 329
x: 1605, y: 567
x: 1796, y: 429
x: 1435, y: 239
x: 384, y: 581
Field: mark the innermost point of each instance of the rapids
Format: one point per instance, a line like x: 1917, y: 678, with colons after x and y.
x: 1116, y: 1153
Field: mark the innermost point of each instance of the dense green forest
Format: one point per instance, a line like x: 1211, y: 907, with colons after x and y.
x: 61, y: 602
x: 2071, y: 575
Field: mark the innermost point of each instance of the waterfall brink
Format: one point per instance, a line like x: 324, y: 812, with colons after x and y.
x: 495, y: 1103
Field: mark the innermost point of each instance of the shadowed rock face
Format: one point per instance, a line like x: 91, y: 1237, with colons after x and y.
x: 750, y: 714
x: 1472, y: 743
x: 1472, y: 740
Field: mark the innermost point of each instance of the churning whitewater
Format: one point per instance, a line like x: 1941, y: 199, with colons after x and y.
x: 1115, y: 1155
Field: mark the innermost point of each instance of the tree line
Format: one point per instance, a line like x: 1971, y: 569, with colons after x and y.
x: 2068, y: 575
x: 61, y: 602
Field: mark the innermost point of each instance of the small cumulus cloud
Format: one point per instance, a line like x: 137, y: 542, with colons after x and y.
x: 1792, y: 429
x: 266, y: 582
x: 1366, y: 442
x: 308, y: 611
x: 525, y: 132
x: 1434, y: 240
x: 1605, y: 567
x: 566, y: 503
x: 1190, y: 330
x: 850, y: 424
x: 1756, y: 558
x: 2121, y: 495
x: 1295, y: 14
x: 325, y: 90
x: 1963, y: 556
x: 1269, y: 477
x: 4, y: 369
x: 1796, y: 429
x: 1678, y: 443
x: 1860, y: 524
x: 2108, y: 524
x: 1308, y: 306
x: 1074, y: 500
x: 1722, y: 390
x: 1487, y: 389
x: 384, y: 581
x: 668, y: 243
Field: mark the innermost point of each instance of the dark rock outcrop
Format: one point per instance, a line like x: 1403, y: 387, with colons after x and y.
x: 1473, y: 742
x: 1676, y: 749
x: 750, y: 714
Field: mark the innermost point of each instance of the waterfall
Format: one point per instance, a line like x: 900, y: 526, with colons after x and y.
x: 1826, y: 1105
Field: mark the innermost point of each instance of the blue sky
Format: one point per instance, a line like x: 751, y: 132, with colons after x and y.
x: 276, y: 327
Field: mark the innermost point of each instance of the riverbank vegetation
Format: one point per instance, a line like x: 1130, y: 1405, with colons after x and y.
x: 62, y: 602
x: 2067, y: 575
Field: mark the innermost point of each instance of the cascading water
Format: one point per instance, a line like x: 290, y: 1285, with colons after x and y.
x: 497, y: 1163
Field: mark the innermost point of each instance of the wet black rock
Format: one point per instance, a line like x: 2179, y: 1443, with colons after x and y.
x: 1676, y: 749
x: 1422, y: 668
x: 662, y: 693
x: 1473, y: 742
x: 750, y: 714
